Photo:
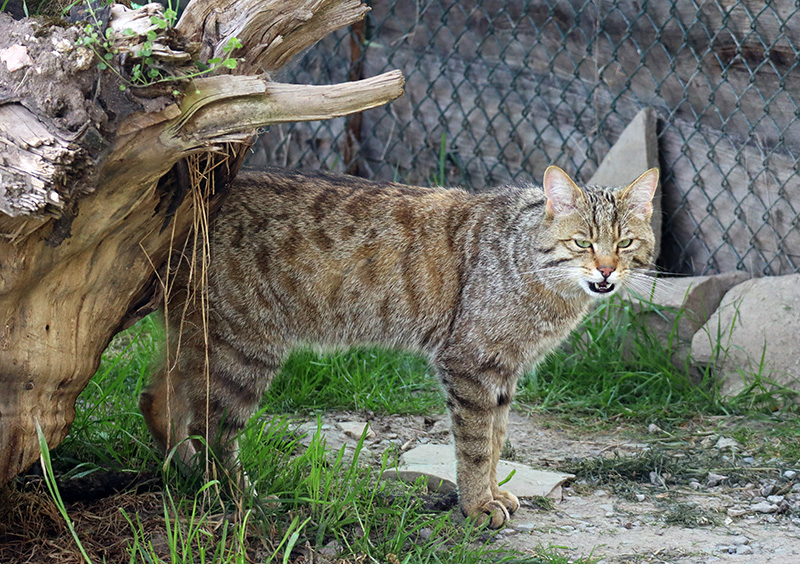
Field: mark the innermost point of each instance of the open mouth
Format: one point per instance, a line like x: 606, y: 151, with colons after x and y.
x: 601, y: 287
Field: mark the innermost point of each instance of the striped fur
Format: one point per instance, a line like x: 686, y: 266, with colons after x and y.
x: 484, y: 285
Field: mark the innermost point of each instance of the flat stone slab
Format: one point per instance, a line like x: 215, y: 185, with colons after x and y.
x: 438, y: 461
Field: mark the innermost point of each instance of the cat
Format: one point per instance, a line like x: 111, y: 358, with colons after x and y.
x: 483, y: 284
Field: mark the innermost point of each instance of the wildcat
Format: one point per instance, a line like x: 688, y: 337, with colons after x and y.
x: 485, y: 285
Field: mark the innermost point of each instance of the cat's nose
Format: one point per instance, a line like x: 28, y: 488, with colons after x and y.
x: 605, y: 270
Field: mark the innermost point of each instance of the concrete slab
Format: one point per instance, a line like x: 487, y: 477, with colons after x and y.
x: 438, y: 461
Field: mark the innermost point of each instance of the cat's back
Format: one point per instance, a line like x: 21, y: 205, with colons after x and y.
x: 338, y: 258
x: 318, y: 199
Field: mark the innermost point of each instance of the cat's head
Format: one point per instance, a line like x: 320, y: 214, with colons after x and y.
x: 601, y: 237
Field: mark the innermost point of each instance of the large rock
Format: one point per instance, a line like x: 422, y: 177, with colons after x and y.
x: 755, y: 330
x: 635, y: 151
x: 677, y: 308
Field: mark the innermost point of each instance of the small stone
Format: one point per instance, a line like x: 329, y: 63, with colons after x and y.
x: 600, y: 493
x: 708, y: 441
x: 330, y: 550
x: 695, y: 485
x: 714, y: 479
x: 739, y: 540
x: 796, y: 488
x: 744, y: 549
x: 441, y: 426
x: 789, y: 475
x: 764, y: 507
x: 640, y: 497
x: 654, y: 429
x: 737, y: 512
x: 767, y: 490
x: 354, y: 429
x: 776, y: 499
x: 749, y: 460
x: 425, y: 533
x: 16, y: 57
x: 725, y: 442
x: 525, y: 526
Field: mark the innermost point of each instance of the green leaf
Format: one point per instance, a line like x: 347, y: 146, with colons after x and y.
x: 152, y: 35
x: 108, y: 56
x: 102, y: 66
x: 230, y: 63
x: 159, y: 22
x: 215, y: 61
x: 233, y: 43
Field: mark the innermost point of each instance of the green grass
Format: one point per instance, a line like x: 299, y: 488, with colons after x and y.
x: 308, y: 498
x: 612, y: 367
x: 362, y: 379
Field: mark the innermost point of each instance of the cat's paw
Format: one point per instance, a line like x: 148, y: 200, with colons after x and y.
x: 509, y: 500
x: 493, y: 513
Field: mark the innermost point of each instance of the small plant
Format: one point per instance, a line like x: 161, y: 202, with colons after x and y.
x: 688, y: 515
x: 52, y: 487
x: 440, y: 175
x: 144, y: 67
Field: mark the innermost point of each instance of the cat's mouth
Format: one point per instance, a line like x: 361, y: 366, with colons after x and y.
x: 601, y: 287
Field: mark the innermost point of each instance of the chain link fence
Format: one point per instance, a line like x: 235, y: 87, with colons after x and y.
x: 497, y: 90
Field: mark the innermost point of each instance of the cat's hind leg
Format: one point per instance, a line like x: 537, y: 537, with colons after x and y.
x: 167, y: 416
x: 224, y: 397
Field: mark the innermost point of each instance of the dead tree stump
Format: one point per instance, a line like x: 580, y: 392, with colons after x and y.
x: 94, y: 163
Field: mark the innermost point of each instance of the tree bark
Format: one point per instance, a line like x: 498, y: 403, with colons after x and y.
x: 99, y: 175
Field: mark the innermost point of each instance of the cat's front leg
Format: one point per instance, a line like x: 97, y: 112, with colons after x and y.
x: 472, y: 412
x: 498, y: 440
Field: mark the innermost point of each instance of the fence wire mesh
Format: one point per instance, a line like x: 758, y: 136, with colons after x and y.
x: 497, y: 90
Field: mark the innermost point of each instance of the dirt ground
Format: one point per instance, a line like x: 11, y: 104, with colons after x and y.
x: 681, y: 512
x: 640, y: 495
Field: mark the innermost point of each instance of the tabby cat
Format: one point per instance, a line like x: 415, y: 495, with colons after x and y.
x: 485, y: 285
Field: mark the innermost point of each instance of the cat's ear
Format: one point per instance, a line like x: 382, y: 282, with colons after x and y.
x: 562, y: 193
x: 639, y: 194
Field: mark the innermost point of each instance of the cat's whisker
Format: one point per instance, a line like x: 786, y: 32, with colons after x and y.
x: 658, y: 282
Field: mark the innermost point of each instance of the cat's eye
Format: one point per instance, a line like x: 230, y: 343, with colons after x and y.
x: 624, y: 243
x: 582, y: 243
